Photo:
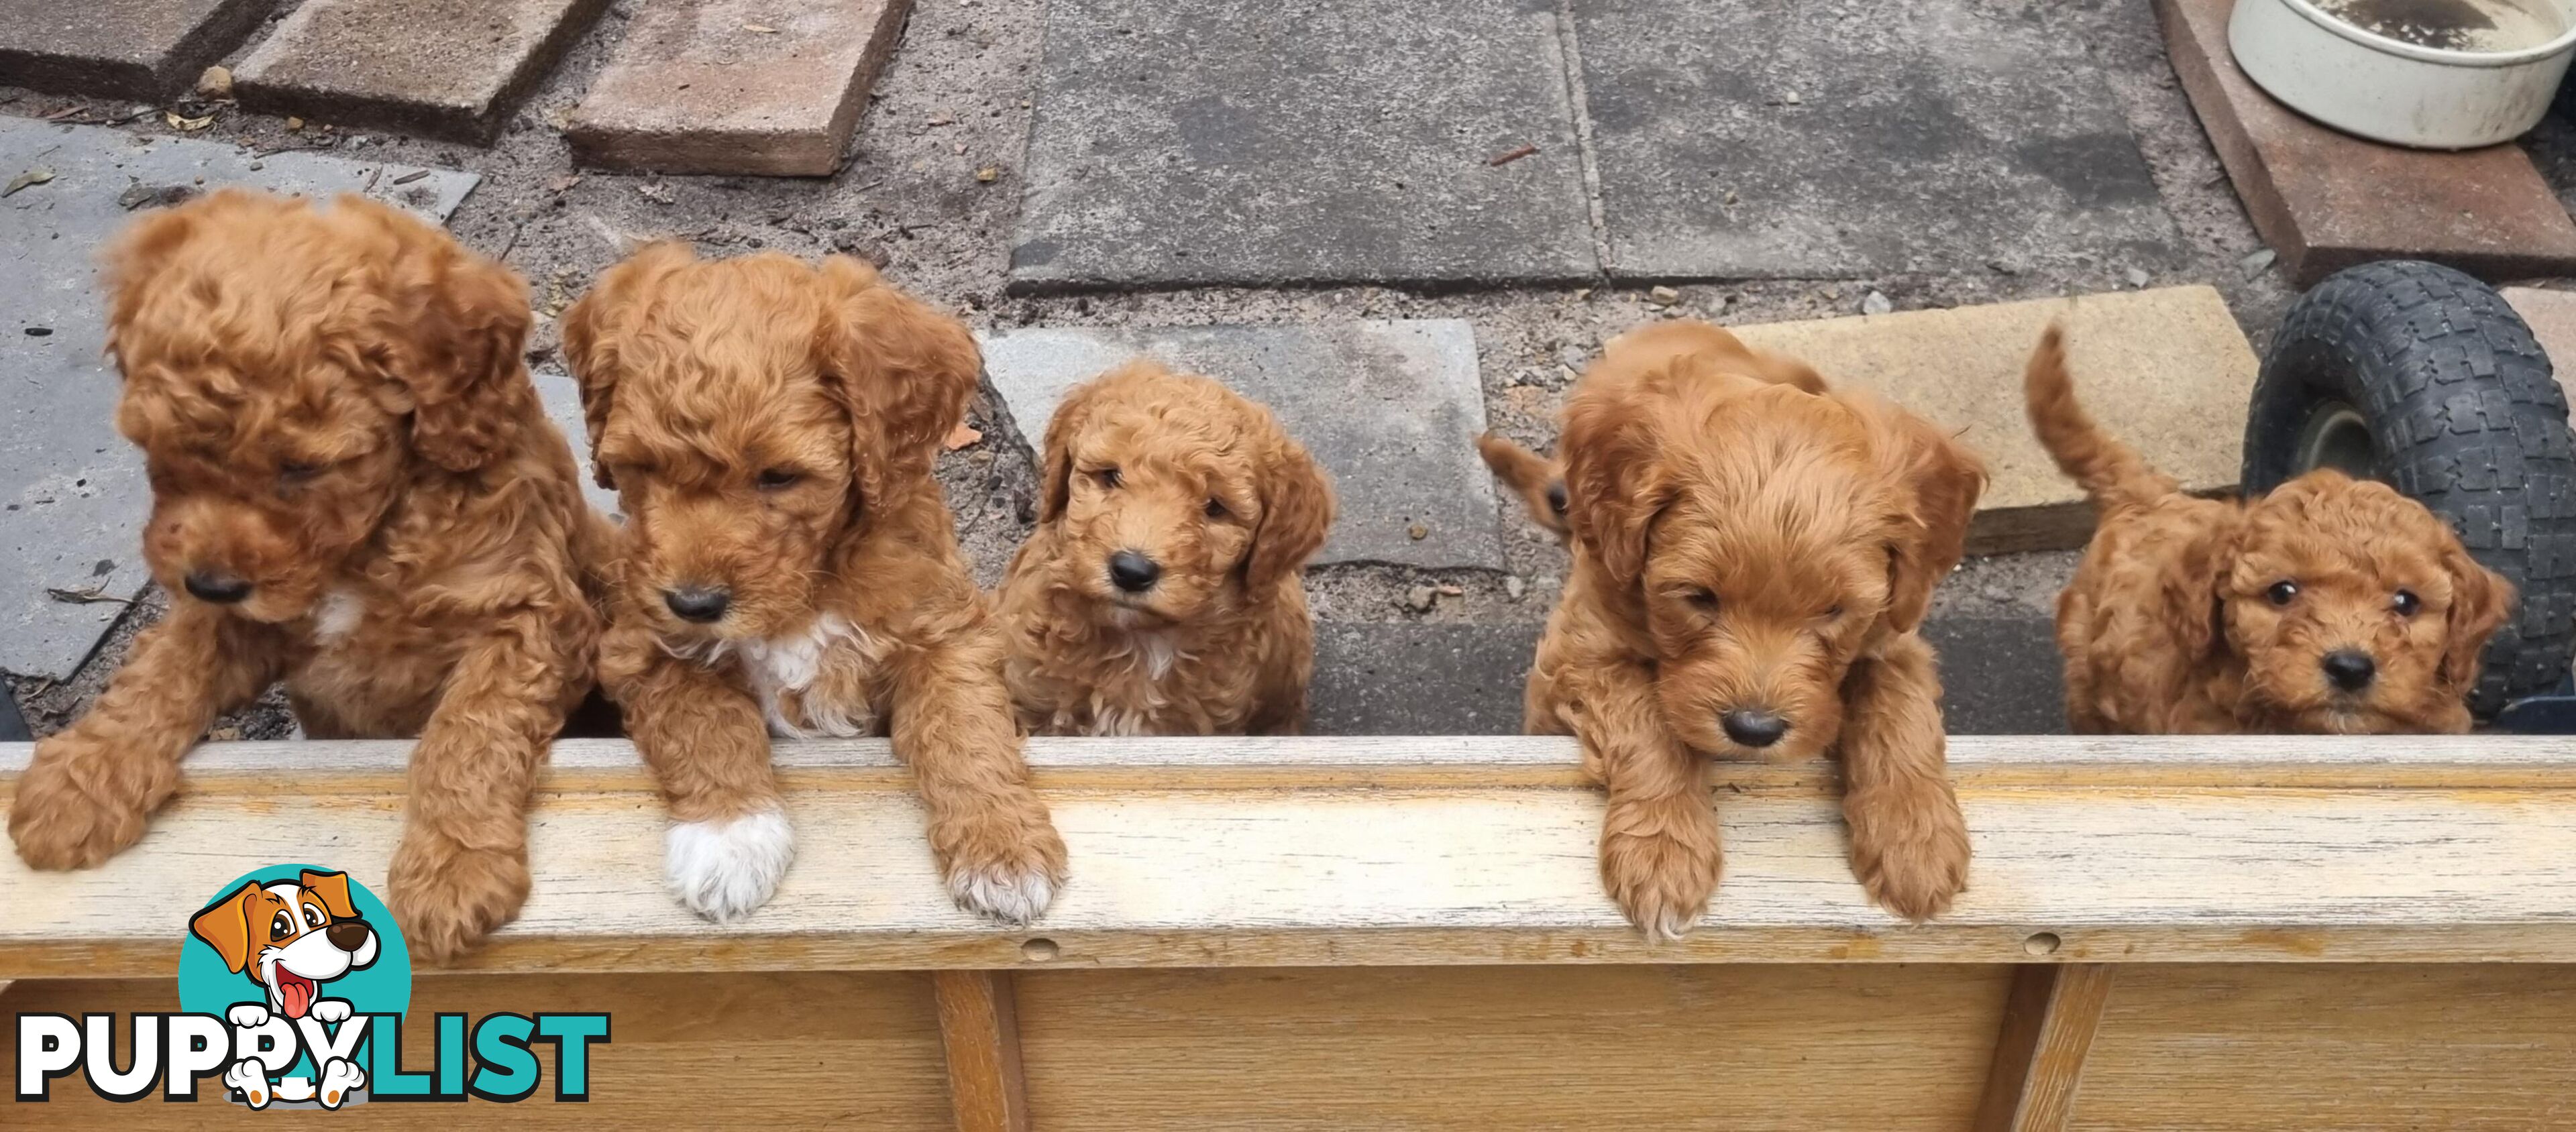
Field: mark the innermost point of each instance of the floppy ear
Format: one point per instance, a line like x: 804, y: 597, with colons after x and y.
x: 1296, y: 511
x: 1072, y: 416
x: 905, y: 373
x: 2188, y: 588
x: 225, y: 925
x: 1614, y: 479
x: 1942, y: 479
x: 333, y: 888
x: 2480, y: 601
x: 451, y: 337
x: 593, y: 325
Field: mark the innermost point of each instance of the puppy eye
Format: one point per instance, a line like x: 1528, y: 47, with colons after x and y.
x: 775, y: 478
x: 1834, y: 613
x: 1216, y: 509
x: 312, y: 916
x: 280, y: 927
x: 1702, y: 597
x: 295, y: 470
x: 1108, y: 478
x: 2406, y: 603
x: 2283, y: 592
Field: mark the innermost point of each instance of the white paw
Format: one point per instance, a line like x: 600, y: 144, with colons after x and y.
x: 331, y: 1010
x: 1013, y: 898
x: 248, y: 1015
x: 723, y: 869
x: 249, y: 1079
x: 340, y: 1078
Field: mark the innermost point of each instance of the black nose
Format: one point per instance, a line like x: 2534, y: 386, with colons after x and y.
x: 1556, y: 498
x: 697, y: 603
x: 1753, y: 728
x: 348, y: 935
x: 1133, y: 572
x: 2350, y: 669
x: 221, y: 589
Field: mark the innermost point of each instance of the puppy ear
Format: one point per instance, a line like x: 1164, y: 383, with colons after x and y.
x: 225, y: 925
x: 1943, y: 480
x: 905, y: 372
x: 333, y: 889
x: 1535, y: 478
x: 2480, y: 601
x: 2189, y: 588
x: 593, y: 326
x: 1072, y: 416
x: 1296, y: 511
x: 453, y: 334
x: 1614, y: 478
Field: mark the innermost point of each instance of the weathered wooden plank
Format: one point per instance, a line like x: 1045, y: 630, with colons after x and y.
x: 980, y: 1029
x: 2039, y: 1057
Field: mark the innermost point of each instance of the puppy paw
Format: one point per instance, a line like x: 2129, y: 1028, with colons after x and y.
x: 75, y: 806
x: 447, y: 897
x: 724, y: 869
x: 250, y: 1079
x: 1006, y: 863
x: 331, y: 1010
x: 1909, y: 848
x: 1660, y: 861
x: 340, y: 1078
x: 247, y: 1015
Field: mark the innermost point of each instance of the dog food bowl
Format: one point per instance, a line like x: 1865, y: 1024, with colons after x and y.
x: 2432, y: 74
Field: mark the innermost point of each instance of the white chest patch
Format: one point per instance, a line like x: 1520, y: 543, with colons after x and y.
x: 337, y: 616
x: 796, y: 664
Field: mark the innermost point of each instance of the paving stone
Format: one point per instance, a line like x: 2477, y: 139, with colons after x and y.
x: 1261, y: 143
x: 2328, y: 200
x: 2000, y: 676
x: 442, y: 68
x: 1392, y: 409
x: 736, y: 86
x: 119, y: 48
x: 1862, y: 137
x: 72, y: 496
x: 561, y: 396
x: 2166, y: 369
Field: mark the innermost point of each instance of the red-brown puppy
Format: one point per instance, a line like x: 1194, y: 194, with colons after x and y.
x: 1752, y: 555
x: 790, y: 566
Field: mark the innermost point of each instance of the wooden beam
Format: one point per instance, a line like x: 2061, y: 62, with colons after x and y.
x: 2039, y: 1057
x: 981, y: 1029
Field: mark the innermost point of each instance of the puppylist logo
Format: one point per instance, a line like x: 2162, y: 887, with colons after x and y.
x: 293, y: 986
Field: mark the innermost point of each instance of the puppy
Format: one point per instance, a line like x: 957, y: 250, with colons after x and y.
x: 1160, y: 593
x: 790, y: 567
x: 1537, y: 480
x: 353, y: 489
x: 1752, y: 555
x: 2328, y: 605
x: 290, y: 938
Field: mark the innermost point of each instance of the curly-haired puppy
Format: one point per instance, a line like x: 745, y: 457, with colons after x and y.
x: 2328, y: 605
x: 353, y: 489
x: 1752, y: 556
x: 1160, y: 594
x: 790, y: 567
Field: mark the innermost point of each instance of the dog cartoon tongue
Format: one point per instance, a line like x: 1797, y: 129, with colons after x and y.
x: 294, y: 993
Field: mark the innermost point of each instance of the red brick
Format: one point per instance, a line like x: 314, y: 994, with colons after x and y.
x: 2327, y: 200
x: 143, y: 49
x: 445, y: 68
x: 698, y: 87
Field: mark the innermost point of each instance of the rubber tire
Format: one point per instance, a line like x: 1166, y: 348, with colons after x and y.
x: 2465, y: 416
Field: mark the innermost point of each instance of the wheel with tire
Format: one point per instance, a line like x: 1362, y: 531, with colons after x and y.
x: 2423, y: 378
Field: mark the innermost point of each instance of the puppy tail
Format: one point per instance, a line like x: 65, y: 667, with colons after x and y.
x: 1539, y: 481
x: 2110, y: 471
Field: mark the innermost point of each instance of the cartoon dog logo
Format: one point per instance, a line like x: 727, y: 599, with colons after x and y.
x: 290, y: 938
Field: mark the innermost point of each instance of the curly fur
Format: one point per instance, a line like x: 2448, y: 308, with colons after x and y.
x: 1745, y: 540
x: 1206, y: 484
x: 769, y: 426
x: 333, y: 408
x: 2170, y: 624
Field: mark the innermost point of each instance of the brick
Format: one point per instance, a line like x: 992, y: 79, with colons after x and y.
x: 441, y: 68
x: 2327, y: 200
x: 693, y: 89
x: 2168, y: 370
x: 119, y: 48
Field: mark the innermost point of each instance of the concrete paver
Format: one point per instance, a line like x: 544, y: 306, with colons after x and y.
x: 1260, y: 143
x: 119, y: 48
x: 441, y: 68
x: 1391, y: 409
x: 736, y: 86
x: 72, y: 494
x: 1797, y: 140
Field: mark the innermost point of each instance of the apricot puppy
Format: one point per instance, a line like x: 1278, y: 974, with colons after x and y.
x: 354, y: 490
x: 2328, y: 605
x: 1752, y: 556
x: 790, y: 567
x: 1160, y: 593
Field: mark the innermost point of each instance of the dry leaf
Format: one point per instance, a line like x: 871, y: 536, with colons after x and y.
x: 36, y: 176
x: 961, y: 436
x: 188, y: 125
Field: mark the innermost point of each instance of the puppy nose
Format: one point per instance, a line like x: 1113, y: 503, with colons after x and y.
x: 697, y: 603
x: 348, y: 935
x: 2350, y: 669
x: 1753, y: 728
x: 222, y: 589
x: 1133, y: 572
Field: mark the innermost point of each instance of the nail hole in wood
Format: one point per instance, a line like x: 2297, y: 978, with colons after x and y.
x: 2043, y: 943
x: 1038, y: 950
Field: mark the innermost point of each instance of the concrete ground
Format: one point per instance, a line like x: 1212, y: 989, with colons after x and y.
x: 958, y: 98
